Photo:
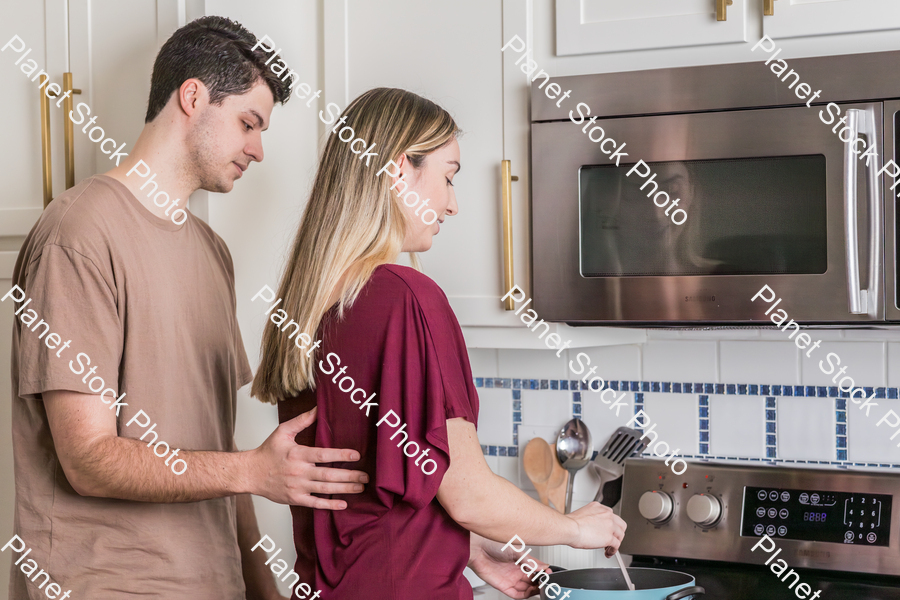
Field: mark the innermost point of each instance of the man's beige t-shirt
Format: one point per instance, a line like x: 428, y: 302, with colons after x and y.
x: 152, y: 304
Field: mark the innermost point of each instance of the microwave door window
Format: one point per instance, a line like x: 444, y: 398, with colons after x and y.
x: 751, y: 216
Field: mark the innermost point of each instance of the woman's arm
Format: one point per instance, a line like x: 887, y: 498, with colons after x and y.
x: 487, y: 504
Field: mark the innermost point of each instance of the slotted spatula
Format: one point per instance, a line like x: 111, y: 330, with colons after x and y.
x: 609, y: 464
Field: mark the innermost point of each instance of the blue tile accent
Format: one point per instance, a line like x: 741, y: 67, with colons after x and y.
x: 771, y: 392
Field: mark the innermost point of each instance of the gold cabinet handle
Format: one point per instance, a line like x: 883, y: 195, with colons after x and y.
x: 45, y: 147
x: 769, y: 8
x: 68, y: 104
x: 721, y: 14
x: 506, y: 179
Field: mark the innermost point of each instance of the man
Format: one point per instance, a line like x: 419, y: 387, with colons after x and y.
x: 148, y: 357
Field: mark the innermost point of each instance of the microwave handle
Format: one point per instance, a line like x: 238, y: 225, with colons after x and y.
x: 861, y: 301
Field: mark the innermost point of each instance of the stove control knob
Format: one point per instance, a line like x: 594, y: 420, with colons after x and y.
x: 704, y: 510
x: 656, y: 506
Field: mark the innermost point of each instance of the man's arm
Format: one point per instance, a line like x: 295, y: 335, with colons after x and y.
x: 97, y: 462
x: 491, y: 506
x: 258, y: 578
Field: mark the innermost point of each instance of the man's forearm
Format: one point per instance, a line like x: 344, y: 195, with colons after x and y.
x: 127, y: 469
x: 258, y: 579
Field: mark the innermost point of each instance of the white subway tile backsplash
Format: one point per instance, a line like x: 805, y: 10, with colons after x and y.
x: 737, y: 426
x: 806, y: 428
x: 865, y: 362
x: 602, y: 421
x: 495, y: 417
x: 759, y: 362
x: 868, y: 442
x: 676, y: 419
x: 549, y: 408
x: 618, y: 362
x: 893, y: 364
x: 486, y: 360
x: 536, y: 364
x: 680, y: 361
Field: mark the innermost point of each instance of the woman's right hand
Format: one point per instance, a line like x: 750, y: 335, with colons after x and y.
x: 598, y: 527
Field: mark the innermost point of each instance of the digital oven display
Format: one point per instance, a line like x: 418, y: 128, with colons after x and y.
x: 817, y: 516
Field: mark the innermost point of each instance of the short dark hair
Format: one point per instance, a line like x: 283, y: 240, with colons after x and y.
x: 218, y: 52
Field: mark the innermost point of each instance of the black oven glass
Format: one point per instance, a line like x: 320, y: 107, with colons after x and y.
x: 817, y: 516
x: 749, y: 216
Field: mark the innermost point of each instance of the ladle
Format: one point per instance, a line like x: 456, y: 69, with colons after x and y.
x: 574, y: 448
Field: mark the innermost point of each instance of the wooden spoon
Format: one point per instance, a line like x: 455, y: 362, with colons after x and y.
x: 538, y: 461
x: 559, y: 478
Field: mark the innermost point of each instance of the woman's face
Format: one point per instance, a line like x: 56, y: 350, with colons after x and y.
x: 436, y: 198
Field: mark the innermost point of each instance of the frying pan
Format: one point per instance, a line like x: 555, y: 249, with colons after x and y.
x: 608, y: 584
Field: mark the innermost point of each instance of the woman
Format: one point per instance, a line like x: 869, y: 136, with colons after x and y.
x: 392, y: 379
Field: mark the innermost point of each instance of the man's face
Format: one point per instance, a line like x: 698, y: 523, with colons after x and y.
x: 225, y: 139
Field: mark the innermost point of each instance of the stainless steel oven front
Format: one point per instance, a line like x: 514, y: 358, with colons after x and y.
x: 767, y: 194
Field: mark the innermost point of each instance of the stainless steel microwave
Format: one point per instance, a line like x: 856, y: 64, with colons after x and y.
x: 769, y: 195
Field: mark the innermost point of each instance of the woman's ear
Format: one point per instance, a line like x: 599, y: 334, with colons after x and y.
x: 405, y: 170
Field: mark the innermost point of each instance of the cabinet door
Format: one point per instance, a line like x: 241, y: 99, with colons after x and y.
x: 799, y: 18
x: 594, y: 26
x: 451, y: 55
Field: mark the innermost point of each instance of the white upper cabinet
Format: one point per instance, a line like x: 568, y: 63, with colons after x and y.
x: 800, y: 18
x: 595, y: 26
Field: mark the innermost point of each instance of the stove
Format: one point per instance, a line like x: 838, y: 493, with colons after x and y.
x: 766, y: 532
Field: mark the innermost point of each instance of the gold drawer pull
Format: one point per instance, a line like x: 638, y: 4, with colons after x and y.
x: 506, y: 179
x: 721, y: 14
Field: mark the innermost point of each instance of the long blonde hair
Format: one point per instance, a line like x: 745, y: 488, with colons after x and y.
x: 352, y: 223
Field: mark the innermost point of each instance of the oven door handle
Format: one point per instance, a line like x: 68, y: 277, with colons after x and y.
x: 862, y: 301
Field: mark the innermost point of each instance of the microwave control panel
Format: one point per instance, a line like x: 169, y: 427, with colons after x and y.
x: 817, y: 516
